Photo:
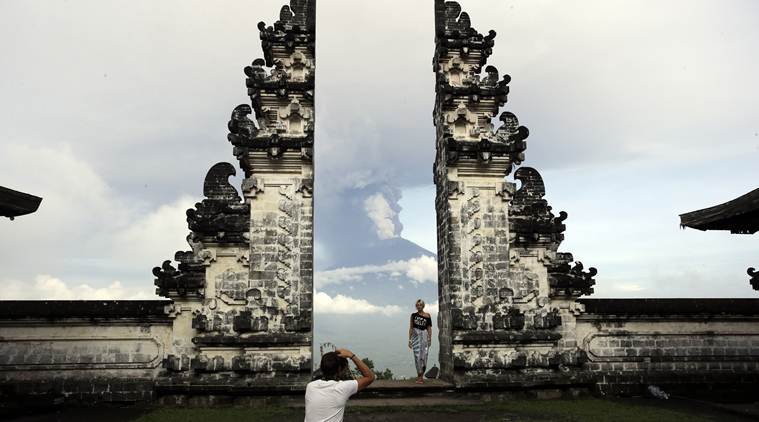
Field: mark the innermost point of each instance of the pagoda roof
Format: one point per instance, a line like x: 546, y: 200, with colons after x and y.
x: 14, y: 203
x: 741, y: 215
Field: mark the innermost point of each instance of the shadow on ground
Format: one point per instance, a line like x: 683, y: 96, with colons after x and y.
x: 585, y: 409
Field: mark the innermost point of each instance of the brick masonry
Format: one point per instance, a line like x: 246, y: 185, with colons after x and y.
x: 673, y: 343
x: 82, y: 351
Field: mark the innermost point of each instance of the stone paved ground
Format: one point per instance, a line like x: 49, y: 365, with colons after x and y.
x: 580, y: 410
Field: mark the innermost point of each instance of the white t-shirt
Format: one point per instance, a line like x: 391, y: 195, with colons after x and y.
x: 325, y: 400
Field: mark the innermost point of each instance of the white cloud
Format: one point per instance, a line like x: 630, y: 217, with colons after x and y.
x: 418, y: 216
x: 46, y: 287
x: 340, y: 304
x: 156, y: 234
x: 419, y: 270
x: 422, y: 269
x: 382, y: 215
x: 432, y: 308
x: 629, y: 287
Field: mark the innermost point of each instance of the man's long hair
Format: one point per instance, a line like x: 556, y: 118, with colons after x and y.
x: 332, y: 366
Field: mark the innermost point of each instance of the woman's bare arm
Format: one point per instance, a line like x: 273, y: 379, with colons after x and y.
x: 410, y: 331
x: 429, y: 330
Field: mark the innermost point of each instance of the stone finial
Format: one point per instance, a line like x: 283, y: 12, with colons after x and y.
x: 296, y: 26
x: 241, y: 128
x: 512, y: 134
x: 296, y: 13
x: 222, y: 216
x: 451, y: 21
x: 532, y: 189
x: 567, y: 280
x: 216, y: 186
x: 187, y: 280
x: 256, y: 70
x: 455, y: 19
x: 532, y: 221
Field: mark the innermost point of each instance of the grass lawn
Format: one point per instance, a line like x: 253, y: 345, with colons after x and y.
x: 587, y: 409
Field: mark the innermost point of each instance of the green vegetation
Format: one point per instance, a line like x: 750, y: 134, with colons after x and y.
x: 387, y: 374
x: 578, y: 410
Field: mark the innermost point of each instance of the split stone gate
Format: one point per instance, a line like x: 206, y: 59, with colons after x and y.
x: 239, y: 312
x: 244, y: 293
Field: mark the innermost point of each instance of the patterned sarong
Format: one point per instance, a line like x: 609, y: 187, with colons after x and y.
x: 420, y: 346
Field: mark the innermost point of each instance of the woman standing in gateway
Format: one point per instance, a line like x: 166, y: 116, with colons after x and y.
x: 419, y: 338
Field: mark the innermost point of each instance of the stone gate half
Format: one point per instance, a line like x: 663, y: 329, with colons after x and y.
x: 506, y: 295
x: 242, y: 297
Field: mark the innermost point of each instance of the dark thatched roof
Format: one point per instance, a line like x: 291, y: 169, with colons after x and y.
x: 741, y: 215
x: 14, y: 203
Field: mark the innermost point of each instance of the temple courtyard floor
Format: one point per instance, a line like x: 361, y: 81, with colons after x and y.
x: 424, y: 408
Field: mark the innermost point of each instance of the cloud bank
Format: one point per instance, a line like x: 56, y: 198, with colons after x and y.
x: 344, y: 305
x: 46, y: 287
x: 422, y: 269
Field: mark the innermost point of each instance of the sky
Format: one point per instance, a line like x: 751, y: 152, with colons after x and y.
x: 638, y: 111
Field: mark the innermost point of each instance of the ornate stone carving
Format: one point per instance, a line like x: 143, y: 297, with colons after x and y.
x: 289, y: 75
x: 532, y: 222
x: 298, y: 67
x: 241, y: 128
x: 296, y: 27
x: 187, y: 280
x: 297, y: 119
x: 569, y: 281
x: 222, y: 216
x: 456, y: 72
x: 462, y: 124
x: 232, y: 287
x: 456, y: 21
x: 175, y: 363
x: 754, y: 278
x: 203, y: 363
x: 453, y: 31
x: 512, y: 319
x: 252, y: 186
x: 511, y: 134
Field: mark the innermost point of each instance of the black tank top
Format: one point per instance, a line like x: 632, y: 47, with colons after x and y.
x: 420, y: 322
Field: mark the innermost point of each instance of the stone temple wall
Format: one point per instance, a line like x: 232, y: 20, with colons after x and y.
x: 82, y: 351
x: 676, y: 344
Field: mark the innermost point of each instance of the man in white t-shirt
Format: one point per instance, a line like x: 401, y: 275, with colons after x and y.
x: 326, y: 397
